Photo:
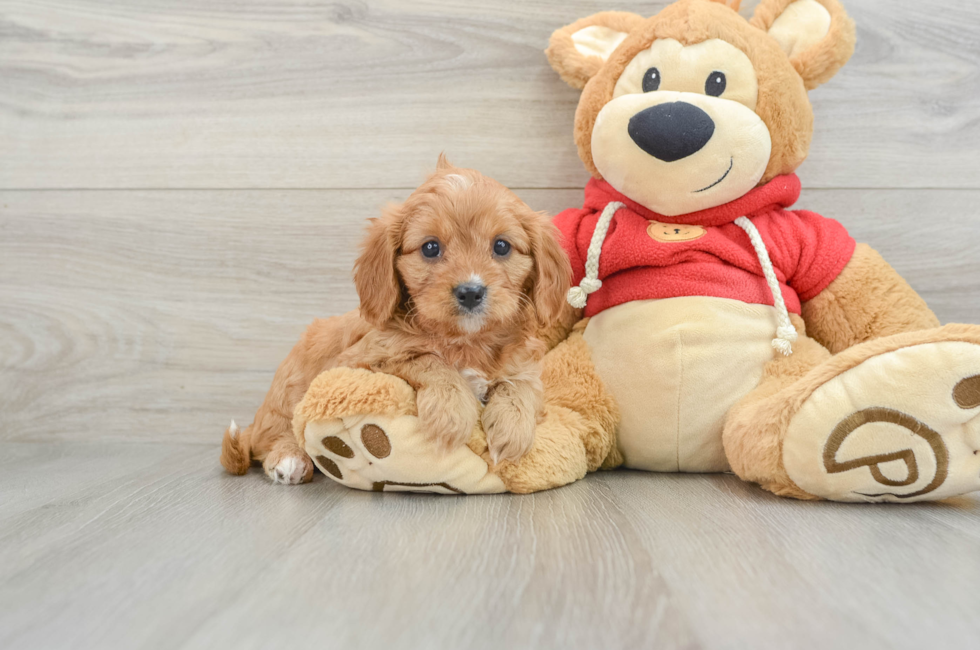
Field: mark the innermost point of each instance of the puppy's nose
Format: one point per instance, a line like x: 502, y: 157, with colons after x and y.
x: 671, y: 131
x: 470, y: 296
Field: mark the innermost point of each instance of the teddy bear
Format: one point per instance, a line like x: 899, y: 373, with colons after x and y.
x: 711, y: 327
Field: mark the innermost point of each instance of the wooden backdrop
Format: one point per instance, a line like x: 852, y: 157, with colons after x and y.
x: 183, y: 184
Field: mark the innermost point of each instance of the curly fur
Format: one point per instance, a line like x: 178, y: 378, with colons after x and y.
x: 410, y: 324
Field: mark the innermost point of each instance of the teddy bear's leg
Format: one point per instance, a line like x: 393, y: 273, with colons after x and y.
x: 893, y: 419
x: 756, y: 457
x: 361, y: 430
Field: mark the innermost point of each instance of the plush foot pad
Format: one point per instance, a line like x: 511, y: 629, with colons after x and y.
x: 900, y: 426
x: 382, y: 449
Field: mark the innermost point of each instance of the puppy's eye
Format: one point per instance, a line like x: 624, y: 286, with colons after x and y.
x: 431, y: 250
x: 651, y: 80
x: 501, y: 248
x: 715, y: 85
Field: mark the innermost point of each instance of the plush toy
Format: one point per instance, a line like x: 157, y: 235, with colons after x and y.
x: 721, y: 330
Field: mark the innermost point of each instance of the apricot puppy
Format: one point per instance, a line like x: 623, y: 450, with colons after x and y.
x: 454, y: 283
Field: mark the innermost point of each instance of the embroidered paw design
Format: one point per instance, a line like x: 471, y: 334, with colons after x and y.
x: 384, y: 451
x: 375, y: 442
x: 901, y: 426
x: 386, y: 454
x: 373, y: 438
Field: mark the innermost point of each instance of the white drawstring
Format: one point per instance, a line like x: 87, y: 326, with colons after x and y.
x: 785, y: 333
x: 578, y: 296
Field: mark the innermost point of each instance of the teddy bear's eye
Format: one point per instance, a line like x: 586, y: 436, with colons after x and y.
x: 651, y: 80
x: 715, y: 85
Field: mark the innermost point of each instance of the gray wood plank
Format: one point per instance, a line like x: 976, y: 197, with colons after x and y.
x: 141, y: 558
x: 252, y: 93
x: 171, y: 553
x: 753, y: 570
x: 136, y: 315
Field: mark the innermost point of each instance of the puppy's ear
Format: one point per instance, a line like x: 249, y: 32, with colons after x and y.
x: 552, y: 270
x: 375, y: 275
x: 443, y: 162
x: 817, y: 35
x: 577, y: 51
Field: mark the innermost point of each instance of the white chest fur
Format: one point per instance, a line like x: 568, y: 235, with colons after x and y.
x: 478, y: 383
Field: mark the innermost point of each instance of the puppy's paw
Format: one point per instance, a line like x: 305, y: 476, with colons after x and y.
x: 510, y: 430
x: 447, y: 414
x: 289, y: 467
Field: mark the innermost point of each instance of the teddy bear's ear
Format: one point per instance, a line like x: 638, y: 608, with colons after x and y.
x: 817, y: 35
x: 577, y: 51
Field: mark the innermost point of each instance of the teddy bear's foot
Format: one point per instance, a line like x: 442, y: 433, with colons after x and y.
x: 361, y: 429
x: 899, y: 425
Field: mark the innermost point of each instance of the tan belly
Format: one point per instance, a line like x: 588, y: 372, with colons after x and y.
x: 676, y: 366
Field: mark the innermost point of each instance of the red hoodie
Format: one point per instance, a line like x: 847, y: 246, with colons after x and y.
x: 807, y: 251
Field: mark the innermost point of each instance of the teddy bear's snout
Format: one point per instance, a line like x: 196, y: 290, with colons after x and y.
x: 671, y: 131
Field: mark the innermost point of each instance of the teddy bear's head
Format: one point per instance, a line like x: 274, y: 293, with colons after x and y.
x: 692, y: 108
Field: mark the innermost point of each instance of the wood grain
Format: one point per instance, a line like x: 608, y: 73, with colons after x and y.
x: 161, y: 550
x: 364, y: 94
x: 186, y: 186
x: 162, y: 314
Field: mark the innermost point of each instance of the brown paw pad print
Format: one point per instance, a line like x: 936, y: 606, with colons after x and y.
x: 354, y: 461
x: 967, y: 393
x: 375, y: 442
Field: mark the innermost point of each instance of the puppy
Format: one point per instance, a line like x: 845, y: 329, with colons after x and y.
x: 454, y: 285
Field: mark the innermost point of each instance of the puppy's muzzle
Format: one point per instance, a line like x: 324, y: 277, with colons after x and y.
x: 470, y: 297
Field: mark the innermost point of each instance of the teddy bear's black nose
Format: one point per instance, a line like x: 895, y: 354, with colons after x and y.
x: 671, y: 131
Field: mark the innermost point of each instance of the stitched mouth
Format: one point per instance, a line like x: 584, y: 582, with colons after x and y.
x: 731, y: 164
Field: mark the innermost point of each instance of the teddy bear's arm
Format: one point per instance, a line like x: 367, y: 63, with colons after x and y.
x: 868, y: 300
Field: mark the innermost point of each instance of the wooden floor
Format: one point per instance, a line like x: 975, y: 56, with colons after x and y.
x: 182, y: 188
x: 136, y: 545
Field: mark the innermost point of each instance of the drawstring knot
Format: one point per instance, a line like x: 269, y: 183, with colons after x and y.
x: 578, y: 296
x: 785, y: 334
x: 785, y: 337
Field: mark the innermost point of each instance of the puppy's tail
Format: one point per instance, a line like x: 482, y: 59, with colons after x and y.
x: 236, y: 450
